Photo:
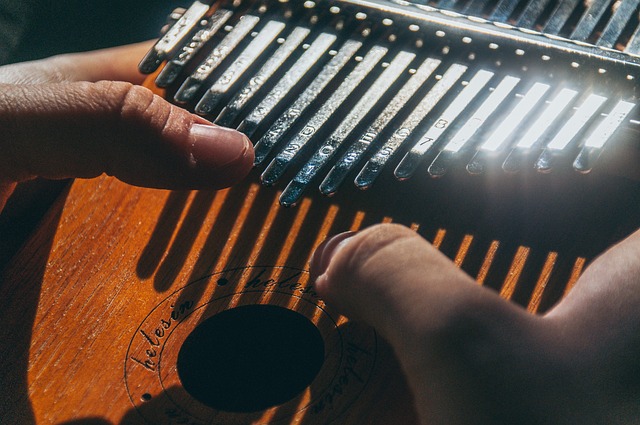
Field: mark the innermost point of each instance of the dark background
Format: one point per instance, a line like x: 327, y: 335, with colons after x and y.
x: 51, y: 27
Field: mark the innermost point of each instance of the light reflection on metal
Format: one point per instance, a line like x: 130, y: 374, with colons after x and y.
x: 515, y: 118
x: 482, y: 114
x: 605, y: 130
x: 548, y: 117
x: 577, y: 122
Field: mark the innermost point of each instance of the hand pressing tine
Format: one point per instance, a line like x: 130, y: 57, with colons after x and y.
x: 81, y: 115
x: 473, y: 358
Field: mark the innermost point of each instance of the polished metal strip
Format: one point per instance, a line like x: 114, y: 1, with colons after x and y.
x: 374, y: 166
x: 173, y: 37
x: 617, y: 23
x: 293, y: 76
x: 589, y: 20
x: 482, y: 114
x: 602, y: 134
x: 598, y: 139
x: 476, y: 7
x: 413, y: 158
x: 577, y: 121
x: 560, y: 16
x: 633, y: 46
x: 233, y: 108
x: 568, y: 132
x: 235, y: 71
x: 443, y: 160
x: 447, y: 4
x: 174, y: 67
x: 496, y: 140
x: 194, y: 82
x: 325, y: 152
x: 336, y: 176
x: 280, y: 163
x: 311, y: 93
x: 504, y: 10
x: 532, y: 13
x: 551, y: 114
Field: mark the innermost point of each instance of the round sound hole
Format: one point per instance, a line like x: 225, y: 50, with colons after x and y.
x: 250, y: 358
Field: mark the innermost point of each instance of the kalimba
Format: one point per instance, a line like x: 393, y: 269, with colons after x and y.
x: 502, y: 131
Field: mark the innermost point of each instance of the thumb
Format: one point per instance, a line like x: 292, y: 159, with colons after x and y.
x: 448, y: 332
x: 114, y: 63
x: 389, y: 276
x: 84, y: 129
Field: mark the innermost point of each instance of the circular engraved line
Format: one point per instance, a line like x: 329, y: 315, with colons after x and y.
x: 208, y: 277
x: 335, y: 326
x: 340, y: 355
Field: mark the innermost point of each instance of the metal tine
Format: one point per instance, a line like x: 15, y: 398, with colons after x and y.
x: 462, y: 138
x: 568, y: 132
x: 589, y: 20
x: 234, y: 72
x: 476, y: 7
x: 172, y: 39
x: 232, y: 109
x: 633, y: 46
x: 560, y: 16
x: 496, y: 141
x: 413, y: 158
x: 553, y: 112
x: 617, y: 23
x: 504, y: 10
x: 374, y: 166
x: 195, y: 81
x: 596, y: 142
x: 325, y: 152
x: 293, y: 76
x: 285, y: 121
x: 280, y: 163
x: 448, y: 4
x: 531, y: 13
x: 337, y: 174
x: 174, y: 67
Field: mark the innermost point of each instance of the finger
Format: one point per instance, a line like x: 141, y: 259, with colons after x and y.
x: 85, y: 129
x: 6, y: 190
x: 117, y: 63
x: 389, y: 276
x: 446, y: 330
x: 602, y: 311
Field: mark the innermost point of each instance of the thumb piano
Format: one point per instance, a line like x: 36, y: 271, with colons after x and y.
x: 504, y: 132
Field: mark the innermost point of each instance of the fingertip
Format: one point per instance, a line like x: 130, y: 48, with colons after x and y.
x: 323, y: 254
x: 214, y: 147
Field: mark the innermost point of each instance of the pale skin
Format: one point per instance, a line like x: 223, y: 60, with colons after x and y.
x: 469, y: 356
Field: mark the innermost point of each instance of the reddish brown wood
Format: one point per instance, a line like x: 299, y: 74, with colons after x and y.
x: 107, y: 262
x: 75, y: 297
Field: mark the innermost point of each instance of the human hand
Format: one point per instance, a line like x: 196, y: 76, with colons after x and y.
x: 81, y: 115
x: 473, y: 358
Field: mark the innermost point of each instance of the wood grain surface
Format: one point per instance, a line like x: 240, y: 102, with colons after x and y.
x: 97, y: 305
